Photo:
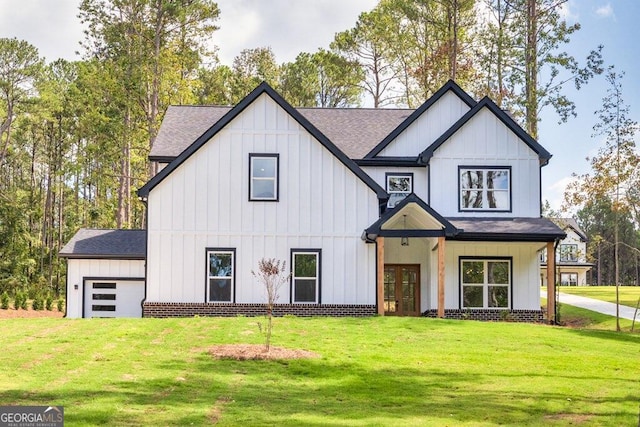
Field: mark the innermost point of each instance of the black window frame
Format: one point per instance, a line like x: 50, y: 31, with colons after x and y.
x: 318, y: 253
x: 276, y: 186
x: 569, y: 273
x: 208, y: 276
x: 485, y: 168
x: 396, y: 175
x: 564, y: 256
x: 462, y: 259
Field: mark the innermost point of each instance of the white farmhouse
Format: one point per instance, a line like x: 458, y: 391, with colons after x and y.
x: 571, y: 256
x: 433, y: 211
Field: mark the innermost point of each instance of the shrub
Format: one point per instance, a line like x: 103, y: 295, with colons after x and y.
x: 60, y: 304
x: 37, y: 303
x: 20, y: 301
x: 49, y: 303
x: 4, y: 300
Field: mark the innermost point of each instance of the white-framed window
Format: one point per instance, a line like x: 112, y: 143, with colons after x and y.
x: 220, y: 275
x: 485, y: 283
x: 568, y: 252
x: 399, y: 186
x: 263, y: 177
x: 485, y: 188
x: 569, y: 279
x: 305, y: 276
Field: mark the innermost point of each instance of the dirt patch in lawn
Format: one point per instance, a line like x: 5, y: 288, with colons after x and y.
x: 571, y: 418
x: 257, y: 352
x: 12, y: 313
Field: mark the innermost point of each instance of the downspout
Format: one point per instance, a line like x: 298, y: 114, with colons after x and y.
x: 146, y: 252
x: 556, y: 293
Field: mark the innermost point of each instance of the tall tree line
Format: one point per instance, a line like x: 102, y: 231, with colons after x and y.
x: 74, y: 136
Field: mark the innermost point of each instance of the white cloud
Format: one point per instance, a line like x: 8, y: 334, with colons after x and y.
x: 568, y: 12
x: 605, y: 11
x: 554, y: 193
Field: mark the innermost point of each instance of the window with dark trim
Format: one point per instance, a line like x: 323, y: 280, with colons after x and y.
x: 568, y: 252
x: 569, y: 279
x: 485, y: 282
x: 220, y: 275
x: 484, y: 188
x: 263, y: 177
x: 398, y: 186
x: 305, y: 276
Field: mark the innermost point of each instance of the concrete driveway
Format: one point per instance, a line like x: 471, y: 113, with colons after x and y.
x: 596, y: 305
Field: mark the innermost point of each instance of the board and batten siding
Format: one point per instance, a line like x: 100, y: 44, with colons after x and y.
x: 525, y: 271
x: 428, y: 127
x: 204, y: 204
x: 108, y: 269
x: 485, y: 141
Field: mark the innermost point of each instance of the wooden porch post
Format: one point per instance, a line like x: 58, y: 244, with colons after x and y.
x: 441, y: 248
x: 380, y: 274
x: 551, y: 283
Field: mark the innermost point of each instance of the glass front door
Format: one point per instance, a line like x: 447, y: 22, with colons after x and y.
x: 402, y: 290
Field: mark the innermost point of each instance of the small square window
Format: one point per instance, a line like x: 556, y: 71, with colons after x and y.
x: 399, y: 186
x: 305, y: 277
x: 263, y: 177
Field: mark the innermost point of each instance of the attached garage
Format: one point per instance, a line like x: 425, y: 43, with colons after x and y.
x: 113, y: 298
x: 105, y: 273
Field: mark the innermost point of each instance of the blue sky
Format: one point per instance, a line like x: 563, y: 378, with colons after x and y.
x: 291, y: 26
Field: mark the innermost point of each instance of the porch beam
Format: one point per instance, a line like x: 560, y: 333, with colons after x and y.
x: 551, y: 283
x: 380, y: 274
x: 441, y: 250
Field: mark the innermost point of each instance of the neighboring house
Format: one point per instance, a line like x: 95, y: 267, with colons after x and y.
x: 571, y: 256
x: 434, y: 211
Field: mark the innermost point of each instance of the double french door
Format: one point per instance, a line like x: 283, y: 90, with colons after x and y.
x: 402, y: 289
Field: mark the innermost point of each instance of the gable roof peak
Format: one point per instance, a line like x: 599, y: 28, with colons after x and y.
x: 449, y: 86
x: 505, y: 118
x: 263, y: 88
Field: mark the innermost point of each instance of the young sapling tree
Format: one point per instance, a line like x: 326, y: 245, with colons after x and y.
x: 272, y: 274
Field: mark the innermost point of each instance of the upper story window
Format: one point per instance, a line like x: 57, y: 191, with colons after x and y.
x: 263, y: 177
x: 399, y: 186
x: 485, y: 188
x: 568, y: 252
x: 220, y: 275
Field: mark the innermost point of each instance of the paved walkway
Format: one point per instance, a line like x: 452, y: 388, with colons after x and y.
x: 596, y: 305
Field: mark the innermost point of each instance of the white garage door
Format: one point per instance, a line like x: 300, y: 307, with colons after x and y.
x: 113, y: 298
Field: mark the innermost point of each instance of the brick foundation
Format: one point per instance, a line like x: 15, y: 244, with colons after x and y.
x: 167, y: 309
x: 528, y: 316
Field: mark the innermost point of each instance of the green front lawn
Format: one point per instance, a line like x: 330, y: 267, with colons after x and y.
x: 372, y: 371
x: 629, y: 295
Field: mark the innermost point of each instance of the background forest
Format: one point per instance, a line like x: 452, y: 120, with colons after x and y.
x: 74, y: 136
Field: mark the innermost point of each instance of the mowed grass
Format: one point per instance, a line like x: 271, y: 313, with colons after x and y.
x: 629, y: 295
x: 378, y: 371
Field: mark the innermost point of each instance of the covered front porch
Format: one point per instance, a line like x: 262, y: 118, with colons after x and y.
x: 484, y: 269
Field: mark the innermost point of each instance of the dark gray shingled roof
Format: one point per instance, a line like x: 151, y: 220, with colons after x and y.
x: 507, y: 229
x: 109, y: 244
x: 355, y: 131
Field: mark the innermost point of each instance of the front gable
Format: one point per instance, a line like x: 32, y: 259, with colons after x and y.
x: 425, y: 124
x: 485, y: 142
x: 487, y: 130
x: 262, y: 91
